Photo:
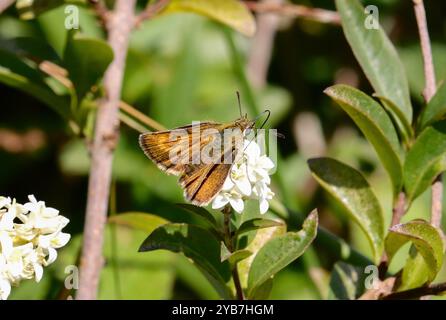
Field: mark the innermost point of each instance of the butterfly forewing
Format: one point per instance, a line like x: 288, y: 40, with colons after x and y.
x: 198, y: 153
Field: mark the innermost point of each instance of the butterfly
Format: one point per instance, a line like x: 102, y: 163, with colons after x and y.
x: 201, y: 154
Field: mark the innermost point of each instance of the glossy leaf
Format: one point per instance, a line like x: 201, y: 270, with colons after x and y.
x: 350, y: 188
x: 426, y: 238
x: 230, y: 12
x: 346, y: 282
x: 86, y: 60
x: 280, y: 251
x: 376, y: 55
x: 196, y: 243
x: 415, y: 272
x: 138, y: 220
x: 425, y: 160
x: 201, y: 212
x: 435, y: 110
x: 375, y: 124
x: 257, y: 223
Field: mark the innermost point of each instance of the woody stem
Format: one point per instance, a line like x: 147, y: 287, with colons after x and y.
x: 229, y: 244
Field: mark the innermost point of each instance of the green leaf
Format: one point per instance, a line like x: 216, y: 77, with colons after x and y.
x: 415, y: 272
x: 435, y: 110
x: 346, y: 282
x: 404, y: 127
x: 197, y: 244
x: 376, y: 125
x: 30, y: 48
x: 425, y: 160
x: 234, y: 257
x: 263, y: 291
x: 376, y: 55
x: 201, y: 212
x: 350, y: 188
x: 280, y: 251
x: 229, y: 12
x: 427, y: 239
x: 138, y: 220
x: 86, y: 60
x: 257, y: 223
x: 29, y: 9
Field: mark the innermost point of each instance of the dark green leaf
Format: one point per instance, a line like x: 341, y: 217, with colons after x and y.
x: 426, y: 238
x: 86, y: 60
x: 230, y: 12
x: 346, y: 282
x: 197, y: 244
x: 425, y: 160
x: 138, y: 220
x: 280, y: 251
x: 435, y: 110
x: 257, y: 223
x: 201, y: 212
x: 350, y: 188
x: 376, y: 55
x: 16, y: 73
x: 375, y: 124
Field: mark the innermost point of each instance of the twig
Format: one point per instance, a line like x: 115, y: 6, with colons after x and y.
x: 101, y: 11
x: 261, y: 47
x: 104, y: 143
x: 296, y: 11
x: 428, y: 93
x: 229, y: 244
x: 150, y: 11
x: 141, y: 116
x: 5, y: 4
x: 433, y: 289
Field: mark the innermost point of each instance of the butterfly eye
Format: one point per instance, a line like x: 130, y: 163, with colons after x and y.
x: 248, y: 132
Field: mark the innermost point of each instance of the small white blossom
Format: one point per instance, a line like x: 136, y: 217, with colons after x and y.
x: 249, y: 178
x: 29, y: 237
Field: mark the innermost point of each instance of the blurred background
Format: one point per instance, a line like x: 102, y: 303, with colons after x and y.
x: 179, y: 69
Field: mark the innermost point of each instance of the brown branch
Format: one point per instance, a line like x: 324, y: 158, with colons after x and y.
x: 428, y: 93
x: 261, y: 47
x: 104, y: 143
x: 150, y: 11
x: 296, y: 11
x: 433, y: 289
x: 141, y: 116
x: 399, y: 209
x: 5, y: 4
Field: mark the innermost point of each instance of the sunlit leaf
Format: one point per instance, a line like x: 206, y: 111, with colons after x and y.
x: 350, y: 188
x: 230, y: 12
x: 280, y: 251
x: 376, y: 125
x: 426, y: 238
x: 257, y: 223
x: 376, y: 55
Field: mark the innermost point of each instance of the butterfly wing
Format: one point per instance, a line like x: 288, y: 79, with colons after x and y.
x: 164, y: 147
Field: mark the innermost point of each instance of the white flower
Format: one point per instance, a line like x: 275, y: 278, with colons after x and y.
x: 30, y: 244
x: 248, y: 179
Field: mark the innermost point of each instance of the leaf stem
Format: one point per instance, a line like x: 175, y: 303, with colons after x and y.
x: 428, y: 93
x: 229, y: 242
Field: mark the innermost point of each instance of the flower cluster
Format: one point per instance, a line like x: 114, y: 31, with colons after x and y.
x: 29, y: 236
x: 249, y: 179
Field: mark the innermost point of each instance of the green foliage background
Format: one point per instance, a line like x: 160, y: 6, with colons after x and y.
x: 180, y: 69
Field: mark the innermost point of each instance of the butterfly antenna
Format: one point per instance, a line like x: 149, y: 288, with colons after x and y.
x: 267, y: 117
x: 239, y: 104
